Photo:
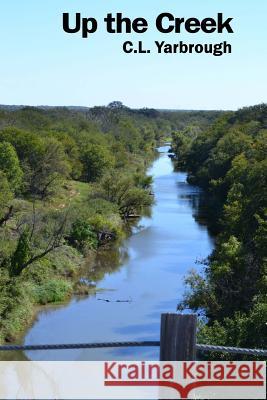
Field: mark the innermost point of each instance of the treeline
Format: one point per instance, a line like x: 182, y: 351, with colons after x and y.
x: 229, y: 162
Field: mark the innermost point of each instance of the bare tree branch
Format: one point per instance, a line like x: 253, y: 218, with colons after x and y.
x: 54, y: 243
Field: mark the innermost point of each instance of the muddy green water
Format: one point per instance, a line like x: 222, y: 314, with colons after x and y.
x: 153, y: 263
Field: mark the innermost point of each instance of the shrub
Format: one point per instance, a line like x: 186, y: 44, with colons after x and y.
x: 38, y: 272
x: 83, y: 236
x: 15, y: 306
x: 53, y: 291
x: 10, y: 165
x: 111, y: 224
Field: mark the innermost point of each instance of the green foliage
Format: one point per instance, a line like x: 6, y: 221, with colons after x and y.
x: 242, y: 330
x: 71, y: 152
x: 28, y: 145
x: 181, y: 142
x: 38, y: 273
x: 53, y: 291
x: 100, y: 206
x: 108, y: 225
x: 82, y: 236
x: 121, y: 189
x: 9, y: 164
x: 96, y: 160
x: 63, y: 262
x: 143, y: 181
x: 52, y: 168
x: 16, y: 308
x: 21, y: 254
x: 6, y: 194
x: 229, y: 161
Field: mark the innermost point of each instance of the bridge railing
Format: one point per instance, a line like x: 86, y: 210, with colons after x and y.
x: 177, y: 342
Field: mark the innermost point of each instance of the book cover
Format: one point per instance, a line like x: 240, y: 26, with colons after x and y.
x: 133, y: 199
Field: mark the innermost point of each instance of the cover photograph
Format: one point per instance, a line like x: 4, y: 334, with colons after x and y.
x: 133, y: 199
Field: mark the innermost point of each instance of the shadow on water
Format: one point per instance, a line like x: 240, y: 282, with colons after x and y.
x: 197, y: 200
x: 146, y: 273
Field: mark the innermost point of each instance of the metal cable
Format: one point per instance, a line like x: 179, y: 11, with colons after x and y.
x: 78, y: 346
x: 200, y: 347
x: 233, y: 350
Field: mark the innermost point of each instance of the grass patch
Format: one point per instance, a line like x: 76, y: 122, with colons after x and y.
x: 80, y: 192
x: 53, y: 291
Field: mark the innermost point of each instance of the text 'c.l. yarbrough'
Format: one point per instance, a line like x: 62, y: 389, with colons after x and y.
x: 191, y: 379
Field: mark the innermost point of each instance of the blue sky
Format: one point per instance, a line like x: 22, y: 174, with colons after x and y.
x: 42, y: 65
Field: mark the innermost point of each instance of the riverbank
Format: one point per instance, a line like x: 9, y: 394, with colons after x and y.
x: 66, y: 191
x: 72, y: 269
x: 55, y: 278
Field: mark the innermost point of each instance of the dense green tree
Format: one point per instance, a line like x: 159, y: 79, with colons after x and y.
x: 52, y: 168
x: 72, y: 153
x: 124, y: 191
x: 6, y: 196
x: 96, y: 160
x: 10, y: 165
x: 82, y: 235
x: 28, y: 145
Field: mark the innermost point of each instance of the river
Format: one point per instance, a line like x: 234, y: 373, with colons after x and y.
x: 154, y: 261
